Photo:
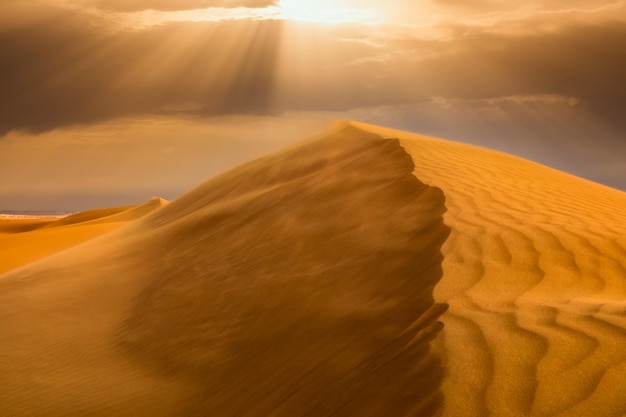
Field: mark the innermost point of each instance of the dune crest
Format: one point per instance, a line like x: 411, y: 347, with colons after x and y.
x: 296, y: 285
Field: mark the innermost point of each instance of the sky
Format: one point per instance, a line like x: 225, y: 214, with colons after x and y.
x: 107, y: 102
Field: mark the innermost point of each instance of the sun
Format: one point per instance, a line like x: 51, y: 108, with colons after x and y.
x: 323, y: 11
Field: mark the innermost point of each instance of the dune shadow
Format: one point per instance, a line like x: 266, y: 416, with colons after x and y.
x: 299, y: 285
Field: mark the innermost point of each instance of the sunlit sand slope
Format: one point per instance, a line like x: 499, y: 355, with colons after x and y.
x: 25, y: 241
x: 535, y: 275
x: 297, y: 285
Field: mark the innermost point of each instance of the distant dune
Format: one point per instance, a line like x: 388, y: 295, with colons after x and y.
x: 23, y: 241
x: 19, y: 224
x: 364, y: 272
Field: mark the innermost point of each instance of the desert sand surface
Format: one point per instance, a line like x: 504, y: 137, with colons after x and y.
x: 364, y: 272
x: 23, y: 241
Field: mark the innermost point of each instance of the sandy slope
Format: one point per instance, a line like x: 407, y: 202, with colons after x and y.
x: 23, y: 241
x: 535, y: 276
x: 310, y: 282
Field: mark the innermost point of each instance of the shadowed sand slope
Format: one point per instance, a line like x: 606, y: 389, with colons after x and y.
x: 25, y: 241
x: 535, y: 276
x: 300, y: 284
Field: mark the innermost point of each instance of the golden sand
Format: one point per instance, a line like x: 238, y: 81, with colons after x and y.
x: 315, y: 282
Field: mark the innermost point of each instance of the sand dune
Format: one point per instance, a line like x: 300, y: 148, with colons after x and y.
x: 315, y: 282
x: 23, y: 241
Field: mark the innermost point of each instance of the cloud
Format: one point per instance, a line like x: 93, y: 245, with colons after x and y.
x: 582, y: 62
x: 491, y: 6
x: 70, y: 69
x: 70, y: 72
x: 173, y: 5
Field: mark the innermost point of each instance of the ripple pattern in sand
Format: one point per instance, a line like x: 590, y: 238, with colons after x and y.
x: 535, y: 275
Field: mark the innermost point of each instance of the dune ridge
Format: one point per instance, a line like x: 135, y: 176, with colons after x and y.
x: 296, y: 285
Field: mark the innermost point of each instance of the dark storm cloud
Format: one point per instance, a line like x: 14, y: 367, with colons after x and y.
x: 171, y: 5
x: 584, y: 62
x: 64, y: 72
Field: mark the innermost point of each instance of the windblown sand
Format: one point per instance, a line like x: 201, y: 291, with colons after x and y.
x: 315, y: 282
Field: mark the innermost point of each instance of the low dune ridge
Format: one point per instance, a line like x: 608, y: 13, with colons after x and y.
x: 23, y: 241
x: 111, y: 215
x: 300, y: 284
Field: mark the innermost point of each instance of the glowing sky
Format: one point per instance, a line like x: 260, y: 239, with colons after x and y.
x: 543, y: 79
